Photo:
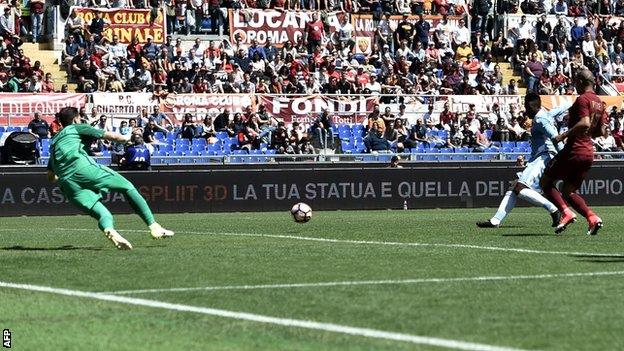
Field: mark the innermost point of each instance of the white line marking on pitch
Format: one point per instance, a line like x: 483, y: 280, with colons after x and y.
x: 328, y: 327
x: 371, y: 282
x: 385, y: 243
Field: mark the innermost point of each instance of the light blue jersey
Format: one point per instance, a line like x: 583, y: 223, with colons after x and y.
x: 542, y: 148
x: 545, y: 129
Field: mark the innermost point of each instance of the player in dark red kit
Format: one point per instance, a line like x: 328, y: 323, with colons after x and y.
x: 587, y: 120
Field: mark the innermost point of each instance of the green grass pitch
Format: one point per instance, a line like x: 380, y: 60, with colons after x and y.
x: 556, y: 310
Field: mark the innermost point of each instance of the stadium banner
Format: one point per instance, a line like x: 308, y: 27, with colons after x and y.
x: 280, y: 26
x: 364, y: 27
x: 551, y: 101
x: 127, y: 23
x: 305, y: 109
x: 483, y: 103
x: 123, y: 104
x: 228, y: 190
x: 202, y: 105
x: 18, y: 108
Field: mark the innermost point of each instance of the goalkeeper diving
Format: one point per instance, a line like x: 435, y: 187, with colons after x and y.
x: 82, y: 180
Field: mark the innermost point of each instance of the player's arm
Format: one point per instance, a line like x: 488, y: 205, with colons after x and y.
x: 579, y: 128
x: 116, y: 137
x: 86, y: 130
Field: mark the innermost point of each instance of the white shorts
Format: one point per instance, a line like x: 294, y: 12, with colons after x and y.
x: 533, y: 172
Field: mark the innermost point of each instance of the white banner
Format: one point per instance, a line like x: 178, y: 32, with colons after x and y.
x: 124, y: 104
x: 483, y: 103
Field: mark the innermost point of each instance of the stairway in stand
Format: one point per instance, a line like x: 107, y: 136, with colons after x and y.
x: 49, y: 63
x: 508, y: 74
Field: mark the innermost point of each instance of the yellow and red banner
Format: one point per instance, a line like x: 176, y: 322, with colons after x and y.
x: 127, y: 23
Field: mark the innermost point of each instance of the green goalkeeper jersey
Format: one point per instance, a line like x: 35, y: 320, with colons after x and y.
x: 68, y: 149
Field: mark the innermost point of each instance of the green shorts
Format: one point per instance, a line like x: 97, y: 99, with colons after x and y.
x: 85, y: 187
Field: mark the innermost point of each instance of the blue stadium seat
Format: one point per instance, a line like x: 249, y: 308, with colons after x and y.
x: 347, y: 147
x: 358, y: 130
x: 270, y: 152
x: 523, y: 144
x: 488, y: 133
x: 222, y: 135
x: 199, y: 141
x: 344, y: 131
x: 509, y: 144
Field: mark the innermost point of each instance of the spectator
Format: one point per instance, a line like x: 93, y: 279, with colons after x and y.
x: 97, y: 26
x: 533, y: 73
x: 314, y: 32
x: 321, y: 130
x: 55, y: 126
x: 39, y: 127
x: 375, y: 141
x: 137, y: 155
x: 37, y: 8
x: 159, y: 118
x: 189, y: 127
x: 606, y: 143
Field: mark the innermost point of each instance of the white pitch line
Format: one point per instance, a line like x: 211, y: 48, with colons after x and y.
x: 385, y: 243
x: 287, y: 322
x: 370, y: 282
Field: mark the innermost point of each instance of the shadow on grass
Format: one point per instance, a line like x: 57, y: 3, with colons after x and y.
x: 60, y: 248
x: 600, y: 258
x: 528, y: 234
x: 70, y: 248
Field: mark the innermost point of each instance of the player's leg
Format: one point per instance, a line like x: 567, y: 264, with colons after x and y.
x: 536, y: 199
x: 568, y: 190
x: 529, y: 181
x: 556, y: 169
x: 506, y: 205
x: 111, y: 180
x: 106, y: 224
x: 89, y: 202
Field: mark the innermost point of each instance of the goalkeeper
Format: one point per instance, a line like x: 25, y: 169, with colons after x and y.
x: 82, y: 180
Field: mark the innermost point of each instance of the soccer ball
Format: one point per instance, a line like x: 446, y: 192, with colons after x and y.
x: 301, y: 212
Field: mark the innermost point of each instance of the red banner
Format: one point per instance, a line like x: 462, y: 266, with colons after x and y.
x: 127, y: 23
x: 21, y: 107
x: 280, y: 26
x: 305, y: 109
x: 202, y: 105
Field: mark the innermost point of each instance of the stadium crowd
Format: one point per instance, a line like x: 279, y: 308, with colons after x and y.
x: 414, y: 58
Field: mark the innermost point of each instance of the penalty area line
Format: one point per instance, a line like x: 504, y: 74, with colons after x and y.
x: 371, y: 282
x: 286, y: 322
x: 383, y: 243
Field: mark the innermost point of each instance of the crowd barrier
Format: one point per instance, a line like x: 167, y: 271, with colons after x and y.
x: 341, y: 187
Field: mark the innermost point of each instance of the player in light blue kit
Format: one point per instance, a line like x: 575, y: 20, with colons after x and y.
x: 542, y: 150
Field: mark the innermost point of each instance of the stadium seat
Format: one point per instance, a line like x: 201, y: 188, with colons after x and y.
x: 222, y: 135
x: 523, y: 144
x: 347, y: 147
x: 344, y: 132
x: 199, y: 141
x: 2, y: 130
x: 358, y: 130
x: 508, y: 144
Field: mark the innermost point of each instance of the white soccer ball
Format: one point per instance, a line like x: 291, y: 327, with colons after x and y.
x: 301, y: 212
